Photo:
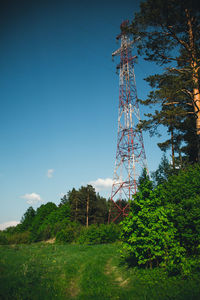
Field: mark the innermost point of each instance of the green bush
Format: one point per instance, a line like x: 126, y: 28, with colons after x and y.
x: 65, y: 236
x: 19, y: 238
x: 109, y: 233
x: 42, y: 214
x: 89, y: 235
x: 49, y: 230
x: 148, y: 236
x: 188, y: 266
x: 44, y: 232
x: 92, y: 235
x: 60, y: 225
x: 181, y: 194
x: 69, y: 233
x: 99, y: 234
x: 3, y: 239
x: 48, y: 220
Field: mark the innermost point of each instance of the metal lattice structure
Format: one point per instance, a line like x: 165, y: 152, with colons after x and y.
x: 130, y: 156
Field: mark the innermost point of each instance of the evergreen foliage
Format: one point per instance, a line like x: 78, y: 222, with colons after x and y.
x: 163, y: 172
x: 173, y: 111
x: 169, y: 32
x: 78, y: 199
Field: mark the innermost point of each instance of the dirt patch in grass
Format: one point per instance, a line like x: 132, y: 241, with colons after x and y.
x: 113, y: 271
x: 74, y: 285
x: 50, y: 241
x: 74, y: 288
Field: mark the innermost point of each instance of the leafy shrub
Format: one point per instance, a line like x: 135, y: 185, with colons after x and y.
x: 68, y: 234
x: 65, y: 236
x: 99, y: 234
x: 187, y: 267
x: 58, y: 226
x: 148, y: 236
x: 46, y: 219
x: 89, y: 235
x: 181, y: 194
x: 109, y: 233
x: 19, y: 238
x: 44, y: 232
x: 3, y: 238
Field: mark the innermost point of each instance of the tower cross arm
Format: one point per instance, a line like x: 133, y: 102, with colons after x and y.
x: 124, y: 46
x: 118, y: 51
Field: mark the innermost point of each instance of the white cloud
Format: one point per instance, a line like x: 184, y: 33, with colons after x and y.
x: 32, y: 198
x: 102, y: 184
x: 50, y: 173
x: 8, y: 224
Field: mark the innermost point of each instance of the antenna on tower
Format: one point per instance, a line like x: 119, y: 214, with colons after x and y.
x: 130, y: 156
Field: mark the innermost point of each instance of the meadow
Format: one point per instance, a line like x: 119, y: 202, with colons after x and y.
x: 54, y: 271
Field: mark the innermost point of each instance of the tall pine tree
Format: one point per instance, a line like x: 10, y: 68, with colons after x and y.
x: 174, y: 111
x: 169, y: 31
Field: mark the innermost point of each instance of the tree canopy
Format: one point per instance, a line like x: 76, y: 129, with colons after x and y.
x: 170, y: 36
x: 87, y: 207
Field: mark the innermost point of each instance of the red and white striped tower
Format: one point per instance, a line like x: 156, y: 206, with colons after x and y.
x: 130, y: 157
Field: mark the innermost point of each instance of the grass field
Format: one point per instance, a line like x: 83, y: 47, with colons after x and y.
x: 51, y: 271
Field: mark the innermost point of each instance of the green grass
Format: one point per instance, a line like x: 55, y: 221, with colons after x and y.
x: 51, y: 271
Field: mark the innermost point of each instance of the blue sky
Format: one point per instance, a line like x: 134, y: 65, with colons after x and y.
x: 59, y: 99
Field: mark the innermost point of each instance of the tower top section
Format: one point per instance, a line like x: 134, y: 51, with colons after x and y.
x: 124, y: 26
x: 126, y: 42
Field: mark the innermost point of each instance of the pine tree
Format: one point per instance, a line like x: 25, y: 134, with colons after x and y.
x: 86, y: 206
x: 175, y: 113
x: 169, y: 32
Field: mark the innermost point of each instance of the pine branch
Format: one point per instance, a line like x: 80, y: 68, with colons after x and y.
x: 188, y: 93
x: 182, y: 71
x: 183, y: 43
x: 171, y: 103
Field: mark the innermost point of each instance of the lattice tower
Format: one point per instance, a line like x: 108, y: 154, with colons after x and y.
x: 130, y: 156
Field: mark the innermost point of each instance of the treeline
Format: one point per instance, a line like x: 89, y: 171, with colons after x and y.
x: 80, y: 215
x: 161, y: 230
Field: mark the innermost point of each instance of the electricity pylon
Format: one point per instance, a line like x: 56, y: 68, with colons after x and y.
x: 130, y: 156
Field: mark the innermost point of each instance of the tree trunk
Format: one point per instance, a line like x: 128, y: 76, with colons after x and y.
x: 196, y: 104
x: 198, y: 145
x: 87, y: 211
x: 76, y: 209
x: 180, y: 159
x: 195, y: 78
x: 172, y: 142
